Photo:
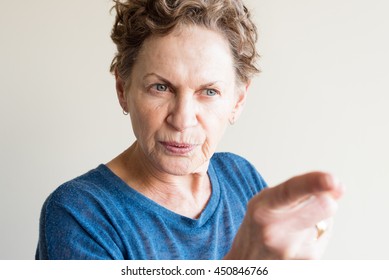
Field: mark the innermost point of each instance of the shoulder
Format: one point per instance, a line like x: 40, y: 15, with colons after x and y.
x: 231, y: 162
x: 77, y: 219
x: 88, y: 188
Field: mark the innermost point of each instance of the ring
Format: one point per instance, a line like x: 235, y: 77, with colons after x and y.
x: 321, y: 228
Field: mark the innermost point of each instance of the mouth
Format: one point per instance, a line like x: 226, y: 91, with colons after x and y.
x: 178, y: 148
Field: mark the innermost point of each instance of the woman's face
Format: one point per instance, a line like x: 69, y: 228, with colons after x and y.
x: 181, y: 94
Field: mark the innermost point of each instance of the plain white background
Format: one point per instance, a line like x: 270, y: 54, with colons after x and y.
x: 320, y: 103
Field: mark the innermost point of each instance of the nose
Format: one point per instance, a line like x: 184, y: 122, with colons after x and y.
x: 183, y: 113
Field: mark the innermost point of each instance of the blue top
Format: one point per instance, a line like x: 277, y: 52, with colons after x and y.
x: 98, y: 216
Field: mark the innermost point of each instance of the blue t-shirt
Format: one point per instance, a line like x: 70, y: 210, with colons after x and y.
x: 98, y: 216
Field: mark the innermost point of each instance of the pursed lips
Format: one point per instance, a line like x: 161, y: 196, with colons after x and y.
x: 178, y: 148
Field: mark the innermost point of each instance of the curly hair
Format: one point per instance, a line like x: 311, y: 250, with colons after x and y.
x: 136, y: 20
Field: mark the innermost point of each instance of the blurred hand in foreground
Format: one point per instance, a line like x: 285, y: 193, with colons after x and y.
x: 282, y: 222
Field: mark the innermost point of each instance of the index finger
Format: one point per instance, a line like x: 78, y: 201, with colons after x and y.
x: 300, y: 188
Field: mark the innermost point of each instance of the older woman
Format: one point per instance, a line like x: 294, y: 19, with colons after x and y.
x: 182, y: 72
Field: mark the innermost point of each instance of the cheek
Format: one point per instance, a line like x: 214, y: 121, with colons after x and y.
x: 214, y: 126
x: 217, y: 114
x: 146, y: 119
x: 215, y: 121
x: 138, y: 119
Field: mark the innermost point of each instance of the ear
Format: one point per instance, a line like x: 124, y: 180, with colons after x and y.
x: 239, y: 102
x: 120, y: 90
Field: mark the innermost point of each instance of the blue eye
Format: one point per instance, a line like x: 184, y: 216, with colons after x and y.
x: 161, y: 87
x: 211, y: 92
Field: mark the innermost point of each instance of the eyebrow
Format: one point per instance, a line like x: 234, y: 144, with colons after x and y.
x: 155, y: 74
x: 171, y: 84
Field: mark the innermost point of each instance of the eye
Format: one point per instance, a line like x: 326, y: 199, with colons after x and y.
x: 211, y: 92
x: 160, y: 87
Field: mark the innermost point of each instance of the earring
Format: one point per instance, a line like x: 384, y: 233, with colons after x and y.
x: 232, y: 120
x: 125, y: 112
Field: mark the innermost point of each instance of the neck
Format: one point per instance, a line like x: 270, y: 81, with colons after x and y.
x: 186, y: 195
